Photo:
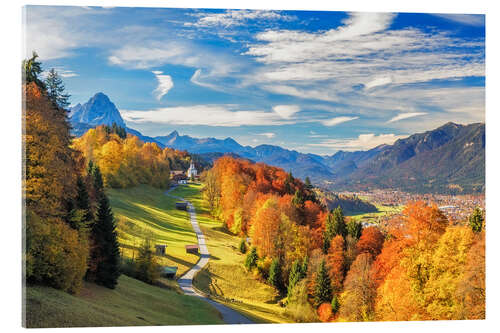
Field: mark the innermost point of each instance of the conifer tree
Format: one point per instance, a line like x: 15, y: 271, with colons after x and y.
x: 251, y: 259
x: 31, y: 70
x: 354, y: 229
x: 107, y: 250
x: 56, y: 90
x: 243, y: 246
x: 295, y: 276
x: 274, y: 278
x: 322, y: 286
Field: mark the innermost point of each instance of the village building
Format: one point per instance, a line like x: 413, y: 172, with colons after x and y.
x: 161, y: 249
x: 192, y: 172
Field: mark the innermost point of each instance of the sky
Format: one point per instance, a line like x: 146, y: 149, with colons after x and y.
x: 315, y: 82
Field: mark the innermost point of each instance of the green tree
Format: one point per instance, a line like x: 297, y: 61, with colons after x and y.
x: 56, y: 90
x: 476, y: 220
x: 296, y: 274
x: 288, y: 183
x: 251, y: 259
x: 335, y: 304
x: 106, y: 250
x: 147, y: 269
x: 354, y: 229
x: 243, y: 246
x: 275, y: 276
x: 307, y: 182
x: 31, y: 69
x: 83, y: 200
x: 303, y: 268
x: 322, y: 286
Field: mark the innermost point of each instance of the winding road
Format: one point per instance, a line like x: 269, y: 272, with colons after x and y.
x: 229, y: 315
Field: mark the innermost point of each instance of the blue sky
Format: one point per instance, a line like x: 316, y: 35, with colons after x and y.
x: 310, y: 81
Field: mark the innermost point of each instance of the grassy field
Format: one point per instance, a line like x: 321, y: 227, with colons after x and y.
x: 374, y: 216
x: 225, y: 278
x: 131, y: 303
x: 146, y: 212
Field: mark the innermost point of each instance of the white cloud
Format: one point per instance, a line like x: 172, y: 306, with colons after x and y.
x: 286, y: 111
x: 362, y: 142
x: 235, y: 17
x: 268, y: 135
x: 197, y: 79
x: 316, y: 94
x: 208, y: 115
x: 468, y: 19
x: 380, y: 81
x: 402, y: 116
x: 337, y: 120
x: 165, y: 83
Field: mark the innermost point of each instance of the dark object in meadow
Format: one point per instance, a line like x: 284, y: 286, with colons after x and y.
x: 169, y: 272
x: 181, y: 205
x: 193, y: 249
x: 161, y: 249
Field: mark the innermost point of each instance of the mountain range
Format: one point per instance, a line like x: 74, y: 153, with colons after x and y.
x: 449, y: 159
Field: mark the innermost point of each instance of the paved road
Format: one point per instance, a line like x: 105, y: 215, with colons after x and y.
x: 229, y: 315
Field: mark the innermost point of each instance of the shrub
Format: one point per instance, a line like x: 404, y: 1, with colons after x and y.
x: 56, y: 254
x: 274, y: 278
x: 325, y: 312
x: 146, y: 266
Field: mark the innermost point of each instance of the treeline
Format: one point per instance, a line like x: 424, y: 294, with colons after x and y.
x: 69, y: 230
x: 126, y: 161
x: 329, y: 268
x: 348, y: 203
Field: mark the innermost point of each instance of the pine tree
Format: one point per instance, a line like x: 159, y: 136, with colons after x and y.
x: 303, y: 268
x: 98, y: 182
x: 476, y: 220
x: 147, y: 269
x: 243, y: 246
x: 56, y: 90
x: 288, y: 183
x: 354, y: 229
x: 107, y: 250
x: 335, y: 304
x: 307, y: 182
x: 274, y: 278
x: 83, y: 200
x: 339, y: 226
x: 295, y: 276
x: 251, y: 259
x: 322, y: 286
x: 31, y: 70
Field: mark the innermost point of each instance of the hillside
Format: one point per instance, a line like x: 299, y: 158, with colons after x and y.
x: 448, y: 159
x: 132, y: 303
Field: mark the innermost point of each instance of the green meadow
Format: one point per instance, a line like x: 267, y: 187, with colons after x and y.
x: 131, y: 303
x: 146, y: 212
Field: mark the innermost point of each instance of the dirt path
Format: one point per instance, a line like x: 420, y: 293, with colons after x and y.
x: 229, y: 315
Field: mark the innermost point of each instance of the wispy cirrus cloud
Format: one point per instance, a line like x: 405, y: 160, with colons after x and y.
x: 268, y: 135
x: 362, y: 142
x: 205, y: 115
x: 165, y: 83
x: 477, y: 20
x: 337, y: 120
x: 402, y: 116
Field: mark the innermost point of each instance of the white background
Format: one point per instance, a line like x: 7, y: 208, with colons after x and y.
x: 10, y: 163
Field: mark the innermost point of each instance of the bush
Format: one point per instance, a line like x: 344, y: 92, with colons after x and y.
x: 56, y: 254
x: 263, y: 266
x: 325, y: 312
x: 146, y: 266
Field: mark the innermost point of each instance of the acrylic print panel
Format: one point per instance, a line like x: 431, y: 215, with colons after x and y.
x: 198, y: 166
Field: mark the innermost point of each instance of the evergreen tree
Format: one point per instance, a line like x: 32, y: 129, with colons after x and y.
x: 83, y: 200
x: 31, y: 70
x: 354, y: 229
x: 243, y: 246
x: 251, y: 259
x: 476, y: 220
x: 322, y: 286
x: 303, y: 268
x: 335, y: 304
x: 308, y: 183
x: 56, y: 90
x: 295, y: 276
x: 339, y: 226
x: 288, y: 183
x: 106, y: 251
x: 298, y: 199
x: 274, y: 277
x: 98, y: 182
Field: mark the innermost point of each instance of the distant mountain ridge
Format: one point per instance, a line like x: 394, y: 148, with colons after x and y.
x: 447, y: 159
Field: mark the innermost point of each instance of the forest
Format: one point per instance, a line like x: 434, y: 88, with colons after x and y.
x: 327, y: 267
